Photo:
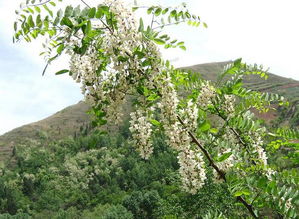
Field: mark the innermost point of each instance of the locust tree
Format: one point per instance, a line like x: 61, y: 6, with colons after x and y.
x: 117, y: 60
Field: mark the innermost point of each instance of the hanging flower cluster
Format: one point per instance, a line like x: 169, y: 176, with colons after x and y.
x: 141, y: 130
x: 191, y: 162
x: 177, y: 137
x: 192, y: 170
x: 206, y: 96
x: 257, y: 148
x: 189, y: 115
x: 229, y: 105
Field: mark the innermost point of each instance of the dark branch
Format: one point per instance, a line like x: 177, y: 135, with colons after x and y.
x: 220, y: 172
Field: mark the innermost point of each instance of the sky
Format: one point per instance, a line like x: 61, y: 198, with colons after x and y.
x: 260, y: 31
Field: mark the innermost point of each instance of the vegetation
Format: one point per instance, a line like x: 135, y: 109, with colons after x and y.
x: 202, y: 151
x: 97, y: 176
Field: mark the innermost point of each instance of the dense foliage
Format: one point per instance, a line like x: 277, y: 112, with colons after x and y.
x: 98, y: 176
x: 208, y: 126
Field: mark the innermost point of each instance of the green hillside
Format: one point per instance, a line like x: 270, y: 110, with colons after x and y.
x: 61, y: 168
x: 70, y: 120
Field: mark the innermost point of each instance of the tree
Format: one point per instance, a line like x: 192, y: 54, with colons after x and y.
x: 117, y: 60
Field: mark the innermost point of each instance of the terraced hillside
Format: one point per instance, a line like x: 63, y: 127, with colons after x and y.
x: 287, y: 87
x: 275, y: 84
x: 69, y: 120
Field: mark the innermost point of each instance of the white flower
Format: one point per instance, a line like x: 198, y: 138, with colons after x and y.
x: 192, y: 170
x: 141, y: 130
x: 206, y: 96
x: 229, y: 105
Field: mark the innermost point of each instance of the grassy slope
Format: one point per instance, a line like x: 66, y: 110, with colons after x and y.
x: 62, y: 124
x: 69, y: 120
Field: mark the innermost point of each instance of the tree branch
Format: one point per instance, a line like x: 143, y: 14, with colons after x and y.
x: 241, y: 141
x: 220, y: 172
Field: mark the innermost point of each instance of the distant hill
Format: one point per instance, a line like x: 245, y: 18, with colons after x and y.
x: 70, y: 120
x: 60, y: 125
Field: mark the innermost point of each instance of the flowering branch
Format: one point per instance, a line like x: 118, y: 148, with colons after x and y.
x: 220, y: 172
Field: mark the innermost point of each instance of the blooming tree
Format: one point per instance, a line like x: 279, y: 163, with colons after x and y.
x: 116, y: 58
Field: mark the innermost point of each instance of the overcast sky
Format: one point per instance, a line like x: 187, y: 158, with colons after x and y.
x: 260, y: 31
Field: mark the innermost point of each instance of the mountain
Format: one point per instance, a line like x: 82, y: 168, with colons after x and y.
x: 60, y: 125
x: 73, y: 119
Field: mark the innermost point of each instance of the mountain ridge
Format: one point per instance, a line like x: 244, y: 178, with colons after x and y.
x: 71, y: 120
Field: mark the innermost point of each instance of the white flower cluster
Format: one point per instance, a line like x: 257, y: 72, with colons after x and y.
x: 230, y: 137
x: 177, y: 136
x: 191, y: 162
x: 257, y: 142
x: 206, y: 96
x: 192, y: 170
x: 141, y: 130
x: 229, y: 105
x: 111, y: 84
x: 189, y: 115
x: 117, y: 78
x: 85, y: 166
x: 29, y: 176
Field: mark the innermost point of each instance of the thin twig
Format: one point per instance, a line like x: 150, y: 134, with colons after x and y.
x: 37, y: 4
x: 165, y: 25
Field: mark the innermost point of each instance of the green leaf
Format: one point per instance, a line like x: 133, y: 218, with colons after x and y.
x: 15, y: 26
x: 205, y: 126
x: 158, y: 11
x: 60, y: 49
x: 159, y: 41
x: 37, y: 9
x: 155, y: 122
x: 92, y: 12
x: 87, y: 28
x: 66, y: 21
x: 139, y: 54
x: 165, y: 11
x: 180, y: 43
x: 242, y: 192
x: 102, y: 121
x: 214, y: 130
x: 68, y: 11
x: 146, y: 62
x: 30, y: 21
x: 149, y: 11
x: 52, y: 3
x: 76, y: 11
x: 224, y: 156
x: 59, y: 13
x: 173, y: 13
x: 39, y: 22
x: 100, y: 12
x: 183, y: 48
x: 61, y: 72
x: 152, y: 97
x: 30, y: 10
x: 141, y: 25
x: 48, y: 10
